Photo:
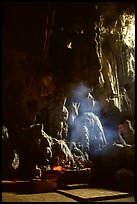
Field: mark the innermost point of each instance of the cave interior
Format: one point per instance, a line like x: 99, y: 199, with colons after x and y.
x: 54, y: 54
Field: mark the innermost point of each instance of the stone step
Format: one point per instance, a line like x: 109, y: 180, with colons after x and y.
x: 93, y: 194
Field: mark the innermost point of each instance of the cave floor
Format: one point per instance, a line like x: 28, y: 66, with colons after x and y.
x: 71, y: 195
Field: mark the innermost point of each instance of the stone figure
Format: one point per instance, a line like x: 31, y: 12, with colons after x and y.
x: 87, y: 128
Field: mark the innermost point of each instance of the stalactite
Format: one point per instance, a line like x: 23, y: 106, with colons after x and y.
x: 113, y: 47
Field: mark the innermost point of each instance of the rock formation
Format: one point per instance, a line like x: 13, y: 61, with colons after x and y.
x: 50, y: 49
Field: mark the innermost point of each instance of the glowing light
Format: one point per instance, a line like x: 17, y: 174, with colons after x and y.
x: 57, y: 168
x: 69, y: 45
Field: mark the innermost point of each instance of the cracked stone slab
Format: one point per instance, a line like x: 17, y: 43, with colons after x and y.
x: 93, y: 194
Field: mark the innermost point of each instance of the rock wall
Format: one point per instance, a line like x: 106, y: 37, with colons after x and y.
x: 87, y: 47
x: 25, y: 87
x: 115, y: 40
x: 67, y: 47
